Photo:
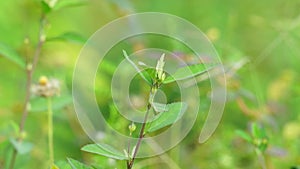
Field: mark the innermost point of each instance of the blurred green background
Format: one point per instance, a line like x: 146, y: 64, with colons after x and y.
x: 266, y: 90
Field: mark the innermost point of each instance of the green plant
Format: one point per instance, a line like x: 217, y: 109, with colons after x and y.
x: 165, y: 114
x: 259, y: 140
x: 45, y: 88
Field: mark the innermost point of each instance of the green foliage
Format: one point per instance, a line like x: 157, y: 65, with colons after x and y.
x: 77, y: 165
x: 45, y: 7
x: 270, y: 81
x: 144, y: 74
x: 69, y: 3
x: 22, y: 147
x: 69, y: 37
x: 40, y: 104
x: 12, y: 55
x: 187, y: 72
x: 104, y: 150
x: 53, y: 5
x: 169, y: 115
x: 259, y: 137
x: 244, y: 135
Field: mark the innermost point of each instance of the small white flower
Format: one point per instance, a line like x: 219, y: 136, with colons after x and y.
x: 46, y: 87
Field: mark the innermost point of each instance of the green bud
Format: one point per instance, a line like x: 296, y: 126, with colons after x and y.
x: 160, y: 68
x: 131, y: 128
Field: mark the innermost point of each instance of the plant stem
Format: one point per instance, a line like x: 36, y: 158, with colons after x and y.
x: 50, y: 131
x: 141, y: 135
x: 29, y: 74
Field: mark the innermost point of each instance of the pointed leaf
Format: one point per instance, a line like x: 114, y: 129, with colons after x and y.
x: 22, y: 147
x: 175, y: 111
x: 63, y: 164
x: 104, y: 150
x: 45, y: 7
x: 144, y: 74
x: 69, y: 37
x: 258, y: 132
x: 12, y: 55
x: 187, y: 72
x: 77, y: 165
x: 69, y: 3
x: 244, y: 135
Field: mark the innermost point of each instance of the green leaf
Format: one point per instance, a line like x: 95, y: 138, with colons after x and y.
x: 53, y: 166
x: 148, y: 75
x: 143, y: 73
x: 62, y: 164
x: 258, y: 132
x: 45, y: 7
x: 77, y: 165
x: 69, y: 37
x: 22, y: 147
x: 104, y: 150
x: 12, y: 55
x: 41, y: 105
x: 69, y: 3
x: 187, y: 72
x: 244, y: 135
x: 175, y: 110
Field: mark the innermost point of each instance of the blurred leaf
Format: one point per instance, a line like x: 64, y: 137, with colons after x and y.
x: 148, y: 75
x: 258, y: 132
x: 69, y: 37
x: 244, y: 135
x: 22, y: 147
x: 175, y: 110
x: 54, y: 166
x: 40, y: 104
x: 77, y: 165
x: 104, y: 150
x: 63, y: 164
x: 12, y: 55
x: 187, y: 72
x: 69, y: 3
x: 144, y: 74
x: 8, y: 129
x: 45, y: 7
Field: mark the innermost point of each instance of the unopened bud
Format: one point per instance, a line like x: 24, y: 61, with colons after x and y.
x: 131, y: 128
x: 43, y: 80
x: 160, y: 68
x: 29, y: 67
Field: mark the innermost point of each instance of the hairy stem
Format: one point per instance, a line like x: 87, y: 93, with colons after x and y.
x: 29, y: 74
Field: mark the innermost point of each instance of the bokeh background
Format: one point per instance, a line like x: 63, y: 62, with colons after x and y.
x: 265, y: 90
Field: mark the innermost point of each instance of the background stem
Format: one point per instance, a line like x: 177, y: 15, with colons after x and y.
x: 29, y: 74
x: 50, y: 131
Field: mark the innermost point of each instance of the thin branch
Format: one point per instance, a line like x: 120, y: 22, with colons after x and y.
x: 141, y: 135
x: 29, y: 73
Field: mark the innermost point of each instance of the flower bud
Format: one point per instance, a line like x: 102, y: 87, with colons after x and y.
x: 43, y: 80
x: 131, y: 128
x: 160, y: 68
